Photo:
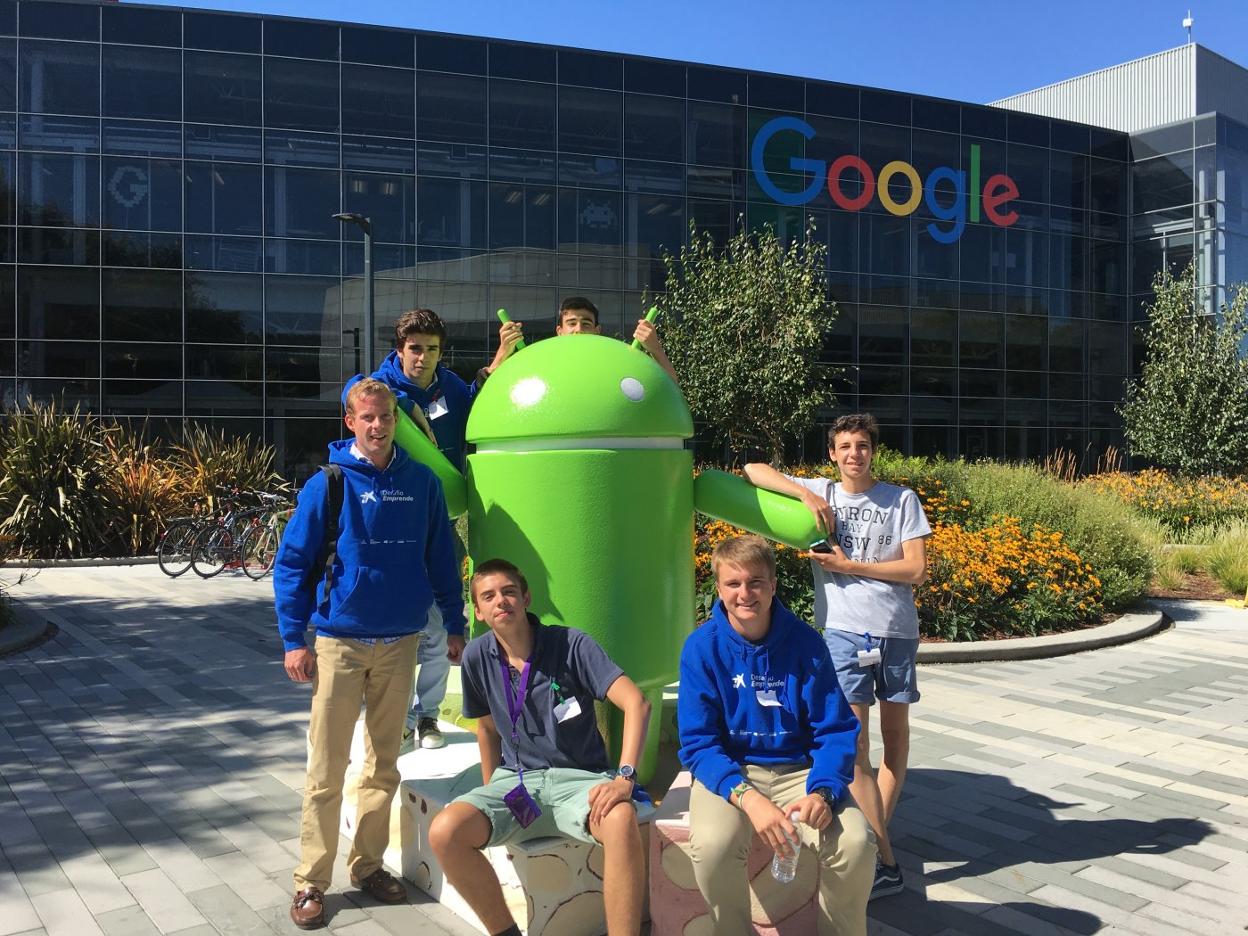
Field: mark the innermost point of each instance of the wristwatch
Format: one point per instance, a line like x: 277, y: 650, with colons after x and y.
x: 825, y: 793
x: 629, y: 773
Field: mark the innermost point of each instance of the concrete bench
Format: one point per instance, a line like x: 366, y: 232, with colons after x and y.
x: 676, y: 904
x: 552, y: 885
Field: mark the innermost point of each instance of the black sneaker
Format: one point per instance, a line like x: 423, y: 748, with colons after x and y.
x: 430, y: 734
x: 887, y: 881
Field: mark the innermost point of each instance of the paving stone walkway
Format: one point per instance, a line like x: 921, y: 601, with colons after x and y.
x: 152, y: 759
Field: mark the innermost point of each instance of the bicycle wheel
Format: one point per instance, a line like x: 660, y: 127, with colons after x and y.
x: 258, y: 550
x: 211, y: 550
x: 173, y: 555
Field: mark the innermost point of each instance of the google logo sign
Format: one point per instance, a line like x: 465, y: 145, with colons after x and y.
x: 992, y: 197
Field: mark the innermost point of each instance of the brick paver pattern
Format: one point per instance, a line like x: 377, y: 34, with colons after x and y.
x: 152, y: 756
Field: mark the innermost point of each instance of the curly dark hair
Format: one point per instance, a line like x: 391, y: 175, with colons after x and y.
x: 856, y: 422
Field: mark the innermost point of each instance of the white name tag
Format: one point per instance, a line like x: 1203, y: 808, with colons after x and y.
x: 766, y: 697
x: 569, y: 709
x: 868, y: 657
x: 437, y: 408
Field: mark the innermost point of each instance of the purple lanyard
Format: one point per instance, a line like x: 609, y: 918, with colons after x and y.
x: 515, y: 705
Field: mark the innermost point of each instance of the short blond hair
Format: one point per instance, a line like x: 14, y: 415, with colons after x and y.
x: 744, y: 551
x: 369, y: 386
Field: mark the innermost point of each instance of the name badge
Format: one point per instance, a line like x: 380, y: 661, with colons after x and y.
x: 437, y: 408
x: 565, y: 710
x: 868, y: 657
x: 767, y: 697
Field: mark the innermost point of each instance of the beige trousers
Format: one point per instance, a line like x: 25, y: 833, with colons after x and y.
x: 720, y: 836
x: 349, y: 673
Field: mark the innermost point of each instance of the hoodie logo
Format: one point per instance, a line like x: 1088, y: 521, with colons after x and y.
x: 738, y: 681
x: 368, y: 497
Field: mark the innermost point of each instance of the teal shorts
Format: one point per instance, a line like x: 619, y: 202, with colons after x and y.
x: 562, y: 793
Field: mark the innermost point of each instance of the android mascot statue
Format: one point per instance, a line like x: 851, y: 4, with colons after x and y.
x: 581, y: 478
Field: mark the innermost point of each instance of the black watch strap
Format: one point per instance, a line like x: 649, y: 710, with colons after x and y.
x: 826, y: 794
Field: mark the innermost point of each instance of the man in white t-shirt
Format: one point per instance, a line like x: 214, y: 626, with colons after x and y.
x: 864, y: 598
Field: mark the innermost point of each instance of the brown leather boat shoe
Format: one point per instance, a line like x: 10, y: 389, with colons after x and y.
x: 383, y: 886
x: 308, y: 909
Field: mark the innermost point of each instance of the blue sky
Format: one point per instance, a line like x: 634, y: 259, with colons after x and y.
x: 970, y: 51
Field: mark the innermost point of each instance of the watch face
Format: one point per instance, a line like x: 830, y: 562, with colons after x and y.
x: 626, y: 771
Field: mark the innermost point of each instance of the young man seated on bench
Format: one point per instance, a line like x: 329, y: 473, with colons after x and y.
x: 532, y: 688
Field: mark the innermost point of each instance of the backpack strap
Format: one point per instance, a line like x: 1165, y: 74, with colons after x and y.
x: 328, y: 555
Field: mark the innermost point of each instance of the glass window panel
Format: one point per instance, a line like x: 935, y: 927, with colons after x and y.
x: 981, y: 121
x: 1108, y: 267
x: 832, y: 100
x: 521, y: 216
x: 882, y: 380
x: 83, y: 393
x: 378, y: 154
x: 284, y: 255
x: 932, y: 258
x: 225, y: 308
x: 143, y: 397
x: 935, y: 382
x: 888, y: 241
x: 60, y: 78
x: 983, y: 255
x: 590, y: 171
x: 981, y: 339
x: 1171, y: 139
x: 1026, y: 341
x: 142, y: 305
x: 301, y: 39
x: 1066, y: 342
x: 58, y: 245
x: 450, y: 107
x: 1028, y: 166
x: 66, y: 359
x: 1068, y: 136
x: 451, y: 54
x: 142, y: 250
x: 293, y: 365
x: 1107, y: 348
x: 451, y: 159
x: 932, y: 441
x: 58, y: 303
x: 1068, y: 262
x: 8, y: 131
x: 654, y: 127
x: 644, y: 176
x: 301, y: 202
x: 1027, y: 257
x: 1029, y: 129
x: 66, y: 134
x: 208, y: 362
x: 222, y: 88
x: 981, y: 383
x: 452, y: 213
x: 590, y: 69
x: 380, y: 101
x: 236, y: 144
x: 378, y: 46
x: 718, y: 219
x: 59, y: 190
x: 528, y: 63
x: 521, y: 165
x: 652, y: 77
x: 882, y: 336
x: 1163, y: 182
x: 302, y: 310
x: 389, y: 202
x: 589, y: 121
x: 222, y: 198
x: 301, y: 95
x: 932, y: 114
x: 1068, y: 177
x: 589, y: 221
x: 142, y: 27
x: 142, y: 194
x: 144, y: 83
x: 8, y: 74
x: 880, y: 145
x: 295, y: 148
x: 716, y: 134
x: 655, y: 223
x: 777, y: 93
x: 237, y: 254
x: 61, y: 21
x: 140, y: 138
x: 221, y: 31
x: 715, y: 84
x: 142, y: 361
x: 933, y: 337
x: 885, y: 107
x: 522, y: 114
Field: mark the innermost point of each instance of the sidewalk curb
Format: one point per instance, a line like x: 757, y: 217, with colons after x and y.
x: 27, y: 630
x: 1127, y: 628
x: 76, y: 563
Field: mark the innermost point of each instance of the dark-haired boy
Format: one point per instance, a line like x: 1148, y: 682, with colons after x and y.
x: 864, y: 597
x: 578, y: 316
x: 532, y: 688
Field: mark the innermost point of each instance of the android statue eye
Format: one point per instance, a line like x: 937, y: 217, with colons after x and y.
x: 528, y: 391
x: 632, y: 388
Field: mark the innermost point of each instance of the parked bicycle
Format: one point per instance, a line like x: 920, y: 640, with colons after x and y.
x: 257, y: 551
x: 209, y: 542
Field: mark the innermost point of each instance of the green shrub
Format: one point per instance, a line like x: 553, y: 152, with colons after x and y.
x: 210, y: 461
x: 1102, y: 530
x: 1227, y: 558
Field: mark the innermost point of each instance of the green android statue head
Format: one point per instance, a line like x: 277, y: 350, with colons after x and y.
x: 579, y: 391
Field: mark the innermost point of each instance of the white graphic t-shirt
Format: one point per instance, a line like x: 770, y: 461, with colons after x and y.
x: 870, y: 527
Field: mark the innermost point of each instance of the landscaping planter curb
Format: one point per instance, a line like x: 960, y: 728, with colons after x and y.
x: 1127, y: 628
x: 79, y: 563
x: 27, y: 630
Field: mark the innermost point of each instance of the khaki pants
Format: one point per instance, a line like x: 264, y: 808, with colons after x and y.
x: 720, y: 836
x: 347, y: 673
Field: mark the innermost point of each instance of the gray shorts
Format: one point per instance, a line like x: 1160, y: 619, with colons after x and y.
x: 894, y: 679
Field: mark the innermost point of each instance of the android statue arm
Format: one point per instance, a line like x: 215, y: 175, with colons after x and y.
x: 775, y: 516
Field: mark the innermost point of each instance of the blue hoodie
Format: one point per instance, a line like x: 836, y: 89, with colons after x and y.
x: 395, y: 554
x: 450, y: 427
x: 725, y: 681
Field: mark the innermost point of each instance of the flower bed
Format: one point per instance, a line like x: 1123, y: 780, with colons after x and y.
x: 1181, y: 504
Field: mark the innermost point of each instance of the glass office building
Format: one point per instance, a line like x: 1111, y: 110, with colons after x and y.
x: 168, y: 250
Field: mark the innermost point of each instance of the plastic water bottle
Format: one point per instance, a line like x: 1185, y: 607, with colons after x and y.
x: 784, y: 869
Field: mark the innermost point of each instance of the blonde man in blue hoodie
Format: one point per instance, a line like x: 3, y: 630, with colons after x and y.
x: 767, y: 733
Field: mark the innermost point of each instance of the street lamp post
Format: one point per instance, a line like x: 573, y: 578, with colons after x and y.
x: 365, y: 225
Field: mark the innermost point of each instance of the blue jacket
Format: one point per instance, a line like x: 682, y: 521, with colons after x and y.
x: 395, y: 555
x: 449, y: 428
x: 725, y: 681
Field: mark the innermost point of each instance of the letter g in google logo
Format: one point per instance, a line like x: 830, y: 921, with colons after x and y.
x: 995, y: 193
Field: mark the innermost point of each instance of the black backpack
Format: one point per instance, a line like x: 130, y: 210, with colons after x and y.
x: 328, y: 553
